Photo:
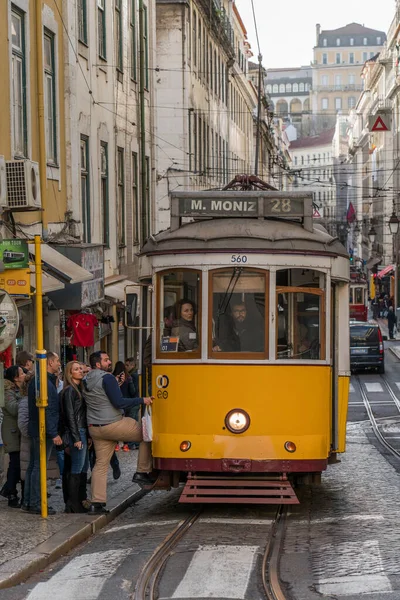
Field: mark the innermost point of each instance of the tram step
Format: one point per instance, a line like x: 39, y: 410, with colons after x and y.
x: 234, y: 490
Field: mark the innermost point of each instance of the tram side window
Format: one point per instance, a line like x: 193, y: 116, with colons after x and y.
x: 179, y: 312
x: 238, y: 315
x: 300, y: 325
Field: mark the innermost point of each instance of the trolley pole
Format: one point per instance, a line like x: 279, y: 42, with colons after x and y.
x: 41, y: 376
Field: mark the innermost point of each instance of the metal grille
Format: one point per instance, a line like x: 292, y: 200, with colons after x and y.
x: 16, y: 184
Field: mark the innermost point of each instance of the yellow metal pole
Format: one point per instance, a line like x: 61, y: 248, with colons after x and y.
x: 41, y: 376
x: 41, y: 118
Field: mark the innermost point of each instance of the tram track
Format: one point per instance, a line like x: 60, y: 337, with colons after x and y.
x: 375, y: 421
x: 149, y: 579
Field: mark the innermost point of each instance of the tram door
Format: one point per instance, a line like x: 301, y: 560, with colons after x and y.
x: 335, y: 364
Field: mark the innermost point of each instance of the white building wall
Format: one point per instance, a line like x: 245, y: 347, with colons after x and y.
x: 103, y: 104
x: 186, y: 101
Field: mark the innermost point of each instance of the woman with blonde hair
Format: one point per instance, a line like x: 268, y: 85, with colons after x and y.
x: 74, y: 433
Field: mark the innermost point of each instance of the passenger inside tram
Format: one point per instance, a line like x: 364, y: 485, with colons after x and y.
x: 184, y: 327
x: 240, y: 329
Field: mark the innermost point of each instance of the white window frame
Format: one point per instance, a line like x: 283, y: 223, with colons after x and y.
x: 324, y: 103
x: 22, y: 6
x: 49, y: 22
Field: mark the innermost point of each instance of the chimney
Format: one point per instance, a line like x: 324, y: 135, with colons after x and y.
x: 318, y: 27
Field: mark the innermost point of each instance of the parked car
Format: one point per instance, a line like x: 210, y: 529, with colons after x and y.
x: 366, y: 346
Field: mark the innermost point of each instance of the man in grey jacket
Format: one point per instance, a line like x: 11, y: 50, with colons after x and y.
x: 107, y: 425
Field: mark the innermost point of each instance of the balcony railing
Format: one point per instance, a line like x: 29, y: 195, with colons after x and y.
x: 393, y: 26
x: 349, y: 87
x: 380, y: 104
x: 220, y: 24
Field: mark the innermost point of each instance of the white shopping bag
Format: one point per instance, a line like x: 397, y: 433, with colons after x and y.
x: 147, y: 425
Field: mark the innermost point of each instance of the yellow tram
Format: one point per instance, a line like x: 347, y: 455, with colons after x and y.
x: 250, y: 345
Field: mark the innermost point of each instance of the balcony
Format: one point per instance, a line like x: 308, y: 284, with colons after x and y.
x: 393, y: 26
x: 349, y: 87
x: 381, y: 105
x: 220, y: 24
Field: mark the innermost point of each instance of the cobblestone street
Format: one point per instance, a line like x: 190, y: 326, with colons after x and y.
x: 341, y: 541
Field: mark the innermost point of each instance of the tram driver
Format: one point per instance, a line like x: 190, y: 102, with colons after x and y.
x: 244, y: 334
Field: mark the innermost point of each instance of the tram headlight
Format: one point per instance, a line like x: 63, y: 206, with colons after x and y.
x: 237, y: 421
x: 290, y: 447
x: 185, y: 446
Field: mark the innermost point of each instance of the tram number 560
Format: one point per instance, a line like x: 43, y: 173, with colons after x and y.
x: 239, y: 258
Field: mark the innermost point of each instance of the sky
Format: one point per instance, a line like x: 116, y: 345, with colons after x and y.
x: 286, y: 28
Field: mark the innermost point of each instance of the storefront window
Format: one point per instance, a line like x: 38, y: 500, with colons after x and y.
x: 179, y: 313
x: 238, y: 314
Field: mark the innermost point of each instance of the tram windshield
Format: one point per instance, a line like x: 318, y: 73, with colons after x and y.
x: 300, y: 312
x: 357, y: 295
x: 238, y: 312
x: 179, y: 317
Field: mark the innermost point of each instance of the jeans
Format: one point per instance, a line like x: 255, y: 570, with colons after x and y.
x: 32, y: 480
x: 60, y: 460
x: 14, y: 472
x: 80, y: 458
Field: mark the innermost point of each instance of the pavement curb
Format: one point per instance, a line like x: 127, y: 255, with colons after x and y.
x: 16, y: 571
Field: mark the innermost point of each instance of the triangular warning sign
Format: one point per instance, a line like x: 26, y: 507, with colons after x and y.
x: 316, y: 214
x: 380, y: 125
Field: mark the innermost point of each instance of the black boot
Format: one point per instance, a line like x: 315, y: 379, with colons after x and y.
x: 82, y: 488
x: 13, y: 501
x: 73, y: 504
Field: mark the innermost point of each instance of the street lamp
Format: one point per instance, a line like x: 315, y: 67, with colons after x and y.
x: 372, y: 234
x: 394, y: 223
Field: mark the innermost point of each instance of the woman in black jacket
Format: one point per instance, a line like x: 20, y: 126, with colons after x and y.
x: 74, y: 424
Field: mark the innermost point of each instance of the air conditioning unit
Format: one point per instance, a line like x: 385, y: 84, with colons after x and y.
x: 23, y: 185
x: 3, y: 183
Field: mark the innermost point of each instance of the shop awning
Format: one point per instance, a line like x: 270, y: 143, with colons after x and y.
x: 372, y: 262
x: 49, y: 283
x: 116, y: 289
x: 60, y: 267
x: 385, y: 271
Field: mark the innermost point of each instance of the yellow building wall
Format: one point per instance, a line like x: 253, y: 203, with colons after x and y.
x: 55, y: 190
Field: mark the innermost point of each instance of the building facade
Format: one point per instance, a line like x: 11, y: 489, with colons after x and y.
x: 97, y: 194
x: 374, y: 156
x: 289, y: 93
x: 206, y: 103
x: 312, y: 166
x: 339, y: 56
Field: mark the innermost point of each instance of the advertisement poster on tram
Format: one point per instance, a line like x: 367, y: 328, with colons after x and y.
x: 14, y: 254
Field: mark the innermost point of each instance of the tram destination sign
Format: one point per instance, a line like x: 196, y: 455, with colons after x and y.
x: 237, y: 207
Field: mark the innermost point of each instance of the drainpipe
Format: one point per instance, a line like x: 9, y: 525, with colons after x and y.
x: 41, y: 123
x: 258, y: 137
x: 142, y: 76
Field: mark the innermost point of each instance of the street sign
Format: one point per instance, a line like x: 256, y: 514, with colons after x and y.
x: 14, y: 254
x: 9, y: 320
x: 316, y: 214
x: 380, y: 122
x: 16, y: 282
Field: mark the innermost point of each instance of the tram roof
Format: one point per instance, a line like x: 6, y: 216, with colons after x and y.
x: 232, y: 234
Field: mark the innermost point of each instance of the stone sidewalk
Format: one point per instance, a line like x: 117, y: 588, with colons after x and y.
x: 29, y: 543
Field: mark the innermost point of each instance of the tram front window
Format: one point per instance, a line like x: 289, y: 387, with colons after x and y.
x: 358, y: 295
x: 300, y: 314
x: 179, y: 314
x: 238, y: 312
